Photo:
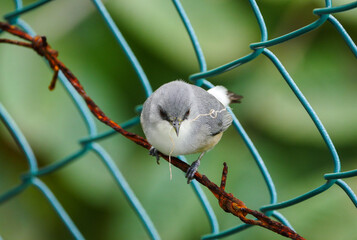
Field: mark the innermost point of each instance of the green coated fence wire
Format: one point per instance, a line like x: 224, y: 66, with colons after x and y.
x: 90, y: 143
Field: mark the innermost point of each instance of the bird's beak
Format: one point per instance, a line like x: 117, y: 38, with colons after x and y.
x: 176, y: 124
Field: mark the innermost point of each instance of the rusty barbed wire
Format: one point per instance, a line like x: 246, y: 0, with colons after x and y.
x: 227, y: 201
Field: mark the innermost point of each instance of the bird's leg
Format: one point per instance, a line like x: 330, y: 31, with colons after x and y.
x: 153, y: 152
x: 193, y: 168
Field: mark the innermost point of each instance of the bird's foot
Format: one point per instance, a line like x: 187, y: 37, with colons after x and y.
x: 153, y: 152
x: 192, y: 170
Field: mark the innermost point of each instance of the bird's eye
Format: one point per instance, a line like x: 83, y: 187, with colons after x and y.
x: 186, y: 114
x: 163, y: 114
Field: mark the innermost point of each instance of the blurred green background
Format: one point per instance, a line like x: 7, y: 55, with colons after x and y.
x: 320, y: 62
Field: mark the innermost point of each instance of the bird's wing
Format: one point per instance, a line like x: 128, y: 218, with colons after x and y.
x: 226, y: 120
x: 213, y: 114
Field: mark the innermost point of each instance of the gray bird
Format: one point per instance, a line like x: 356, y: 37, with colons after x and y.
x: 181, y: 118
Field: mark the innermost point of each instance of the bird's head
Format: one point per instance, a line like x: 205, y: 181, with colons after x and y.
x: 174, y: 114
x: 173, y: 102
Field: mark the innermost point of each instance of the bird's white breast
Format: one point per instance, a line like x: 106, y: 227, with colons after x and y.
x: 164, y: 138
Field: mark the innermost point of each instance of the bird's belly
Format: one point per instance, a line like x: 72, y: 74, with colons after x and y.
x: 209, y: 142
x: 164, y: 138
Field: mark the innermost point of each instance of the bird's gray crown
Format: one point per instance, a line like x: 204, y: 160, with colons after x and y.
x: 173, y: 101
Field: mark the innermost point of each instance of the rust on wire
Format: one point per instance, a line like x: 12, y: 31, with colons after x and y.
x: 226, y: 201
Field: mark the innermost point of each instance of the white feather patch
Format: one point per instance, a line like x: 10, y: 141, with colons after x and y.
x: 220, y: 93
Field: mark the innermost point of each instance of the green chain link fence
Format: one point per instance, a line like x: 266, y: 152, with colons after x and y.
x: 325, y: 15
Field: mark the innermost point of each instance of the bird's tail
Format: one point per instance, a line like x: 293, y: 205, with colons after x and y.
x: 234, y: 98
x: 224, y: 96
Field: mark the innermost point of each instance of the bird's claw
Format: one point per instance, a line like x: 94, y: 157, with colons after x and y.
x: 153, y: 152
x: 190, y: 174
